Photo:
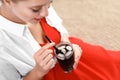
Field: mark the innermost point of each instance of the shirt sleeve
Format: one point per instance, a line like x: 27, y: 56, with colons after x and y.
x: 55, y: 21
x: 8, y: 72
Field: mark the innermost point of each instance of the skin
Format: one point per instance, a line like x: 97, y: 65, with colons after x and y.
x: 30, y: 12
x: 26, y: 11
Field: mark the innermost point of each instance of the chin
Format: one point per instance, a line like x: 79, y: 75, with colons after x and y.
x: 33, y: 22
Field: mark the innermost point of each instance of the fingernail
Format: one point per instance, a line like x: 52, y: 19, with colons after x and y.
x: 53, y: 42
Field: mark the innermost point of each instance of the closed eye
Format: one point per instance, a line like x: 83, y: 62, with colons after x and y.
x: 35, y: 10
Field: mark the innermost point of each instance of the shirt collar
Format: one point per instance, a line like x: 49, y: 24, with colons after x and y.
x: 12, y: 27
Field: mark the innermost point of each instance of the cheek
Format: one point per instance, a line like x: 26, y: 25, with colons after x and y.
x: 23, y: 14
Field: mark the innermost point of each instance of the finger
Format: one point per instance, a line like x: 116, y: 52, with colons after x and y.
x: 75, y: 65
x: 45, y: 61
x: 76, y: 61
x: 48, y: 58
x: 47, y: 46
x: 42, y: 49
x: 40, y: 58
x: 77, y: 47
x: 49, y: 64
x: 78, y: 52
x: 45, y: 68
x: 45, y: 54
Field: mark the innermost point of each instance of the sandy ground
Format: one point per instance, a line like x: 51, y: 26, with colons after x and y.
x: 94, y: 21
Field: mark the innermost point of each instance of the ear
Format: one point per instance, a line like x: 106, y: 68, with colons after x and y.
x: 7, y: 2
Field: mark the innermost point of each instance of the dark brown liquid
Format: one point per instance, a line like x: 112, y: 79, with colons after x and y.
x: 67, y: 64
x: 66, y: 61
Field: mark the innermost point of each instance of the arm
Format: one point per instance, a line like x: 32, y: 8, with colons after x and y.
x: 44, y: 61
x: 55, y: 21
x: 33, y: 75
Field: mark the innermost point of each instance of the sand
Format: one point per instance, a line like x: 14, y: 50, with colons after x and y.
x: 94, y: 21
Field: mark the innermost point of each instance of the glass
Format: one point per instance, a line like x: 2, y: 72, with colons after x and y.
x: 65, y: 56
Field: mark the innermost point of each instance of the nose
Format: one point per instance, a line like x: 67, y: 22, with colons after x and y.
x: 44, y: 12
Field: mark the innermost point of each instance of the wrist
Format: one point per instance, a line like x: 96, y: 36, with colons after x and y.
x: 33, y: 75
x: 65, y: 38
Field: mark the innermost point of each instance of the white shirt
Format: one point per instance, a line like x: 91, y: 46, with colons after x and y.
x: 55, y: 21
x: 17, y: 47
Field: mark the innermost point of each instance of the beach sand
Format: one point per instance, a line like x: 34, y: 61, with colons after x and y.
x: 94, y: 21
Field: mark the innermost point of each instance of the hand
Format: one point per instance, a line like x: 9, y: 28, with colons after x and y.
x: 77, y: 53
x: 44, y: 59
